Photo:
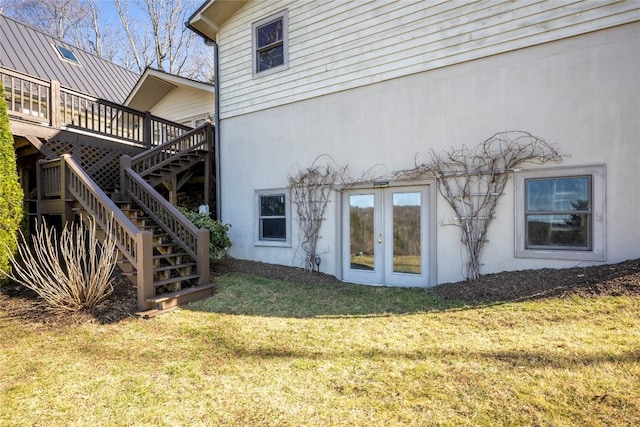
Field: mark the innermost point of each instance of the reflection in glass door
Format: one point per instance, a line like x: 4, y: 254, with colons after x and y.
x: 362, y: 229
x: 362, y: 211
x: 385, y: 236
x: 407, y: 249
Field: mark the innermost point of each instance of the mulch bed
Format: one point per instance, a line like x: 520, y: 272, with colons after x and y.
x: 24, y: 305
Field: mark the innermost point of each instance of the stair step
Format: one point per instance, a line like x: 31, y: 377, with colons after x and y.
x: 174, y: 267
x: 169, y: 256
x: 173, y: 299
x: 175, y: 280
x: 164, y: 245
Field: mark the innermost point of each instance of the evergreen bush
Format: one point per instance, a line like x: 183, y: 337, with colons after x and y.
x: 11, y: 195
x: 219, y: 240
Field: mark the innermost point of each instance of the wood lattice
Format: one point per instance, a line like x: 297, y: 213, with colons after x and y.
x: 102, y: 163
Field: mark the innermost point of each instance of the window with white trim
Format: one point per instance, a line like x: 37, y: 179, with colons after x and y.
x: 560, y: 213
x: 270, y: 44
x: 274, y: 218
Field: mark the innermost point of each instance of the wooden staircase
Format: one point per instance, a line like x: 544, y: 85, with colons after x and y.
x: 162, y: 252
x: 175, y: 272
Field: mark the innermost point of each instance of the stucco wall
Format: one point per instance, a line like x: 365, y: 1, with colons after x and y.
x: 581, y: 93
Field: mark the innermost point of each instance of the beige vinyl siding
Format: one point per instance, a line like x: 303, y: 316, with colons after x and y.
x: 339, y: 45
x: 184, y: 103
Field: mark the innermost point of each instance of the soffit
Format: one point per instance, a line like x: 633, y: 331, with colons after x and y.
x: 154, y: 85
x: 212, y: 14
x: 149, y: 93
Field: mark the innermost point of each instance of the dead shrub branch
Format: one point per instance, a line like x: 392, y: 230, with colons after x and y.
x: 70, y: 273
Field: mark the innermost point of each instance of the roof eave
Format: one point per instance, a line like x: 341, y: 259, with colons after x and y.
x: 154, y: 85
x: 206, y: 21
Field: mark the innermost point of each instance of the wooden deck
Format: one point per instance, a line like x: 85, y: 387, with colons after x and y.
x: 78, y: 154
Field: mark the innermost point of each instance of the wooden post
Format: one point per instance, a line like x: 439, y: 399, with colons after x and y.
x: 55, y: 113
x: 146, y: 130
x: 39, y: 188
x: 203, y: 256
x: 125, y: 162
x: 144, y: 269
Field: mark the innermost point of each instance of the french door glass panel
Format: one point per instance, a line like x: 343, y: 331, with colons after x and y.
x: 361, y: 235
x: 407, y: 242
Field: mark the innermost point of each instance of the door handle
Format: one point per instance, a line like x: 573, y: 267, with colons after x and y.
x: 379, y: 237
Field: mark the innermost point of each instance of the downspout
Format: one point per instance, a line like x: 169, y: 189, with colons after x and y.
x: 216, y: 112
x: 216, y: 123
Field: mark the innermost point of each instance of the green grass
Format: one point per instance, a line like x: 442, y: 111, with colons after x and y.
x: 269, y: 353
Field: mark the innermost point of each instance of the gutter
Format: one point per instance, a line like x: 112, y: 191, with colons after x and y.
x: 216, y: 113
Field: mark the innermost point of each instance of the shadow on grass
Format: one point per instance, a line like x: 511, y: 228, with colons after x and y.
x: 551, y: 357
x: 245, y: 294
x: 258, y: 289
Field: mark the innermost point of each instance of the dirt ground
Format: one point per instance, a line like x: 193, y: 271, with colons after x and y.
x: 22, y: 304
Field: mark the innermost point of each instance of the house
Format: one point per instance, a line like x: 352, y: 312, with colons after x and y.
x: 90, y: 141
x: 376, y: 86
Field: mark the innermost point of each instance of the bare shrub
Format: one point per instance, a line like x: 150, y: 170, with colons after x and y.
x: 70, y: 273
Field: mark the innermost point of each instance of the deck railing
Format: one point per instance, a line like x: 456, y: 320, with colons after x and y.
x: 47, y: 102
x: 26, y: 96
x: 198, y: 139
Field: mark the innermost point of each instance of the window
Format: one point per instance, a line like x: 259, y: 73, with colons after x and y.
x: 67, y: 54
x: 560, y: 213
x: 273, y: 218
x: 270, y: 44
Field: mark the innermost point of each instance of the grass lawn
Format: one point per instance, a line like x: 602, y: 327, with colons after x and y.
x: 270, y: 353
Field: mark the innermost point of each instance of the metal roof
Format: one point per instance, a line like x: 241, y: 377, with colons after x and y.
x: 29, y: 51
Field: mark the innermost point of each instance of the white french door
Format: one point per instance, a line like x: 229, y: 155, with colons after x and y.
x: 385, y: 236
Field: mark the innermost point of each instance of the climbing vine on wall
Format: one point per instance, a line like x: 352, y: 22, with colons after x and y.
x: 472, y: 180
x: 311, y: 190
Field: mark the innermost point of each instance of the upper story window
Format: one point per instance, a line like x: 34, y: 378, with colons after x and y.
x: 560, y: 213
x: 67, y: 54
x: 270, y: 44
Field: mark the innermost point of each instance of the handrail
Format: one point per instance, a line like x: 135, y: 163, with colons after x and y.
x: 50, y: 185
x: 168, y: 217
x: 148, y: 161
x: 103, y: 209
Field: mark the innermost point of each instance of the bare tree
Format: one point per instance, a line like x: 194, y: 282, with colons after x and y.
x: 55, y: 17
x: 157, y: 37
x: 152, y: 32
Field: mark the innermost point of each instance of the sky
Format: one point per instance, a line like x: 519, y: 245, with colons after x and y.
x: 111, y: 13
